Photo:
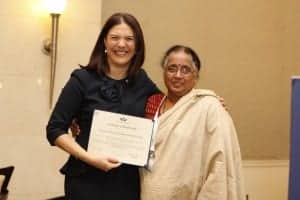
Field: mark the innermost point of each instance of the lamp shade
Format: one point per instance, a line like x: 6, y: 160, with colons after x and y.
x: 55, y: 6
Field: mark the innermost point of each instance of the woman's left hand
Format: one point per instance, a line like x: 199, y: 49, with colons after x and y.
x: 222, y: 101
x: 75, y: 129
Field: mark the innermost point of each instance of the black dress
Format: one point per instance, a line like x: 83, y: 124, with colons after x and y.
x: 83, y: 93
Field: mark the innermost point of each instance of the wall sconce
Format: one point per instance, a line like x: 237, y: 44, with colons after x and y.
x: 55, y: 8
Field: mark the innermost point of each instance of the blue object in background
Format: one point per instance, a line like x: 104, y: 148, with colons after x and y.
x: 294, y: 176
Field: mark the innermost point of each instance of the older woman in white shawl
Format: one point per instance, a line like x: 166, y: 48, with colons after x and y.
x: 196, y: 152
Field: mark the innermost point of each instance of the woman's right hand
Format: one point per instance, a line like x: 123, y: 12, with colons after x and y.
x: 67, y: 143
x: 102, y: 162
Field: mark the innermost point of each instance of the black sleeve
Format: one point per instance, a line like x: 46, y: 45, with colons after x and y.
x: 66, y: 108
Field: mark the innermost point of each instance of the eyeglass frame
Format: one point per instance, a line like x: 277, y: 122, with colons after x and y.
x: 183, y: 69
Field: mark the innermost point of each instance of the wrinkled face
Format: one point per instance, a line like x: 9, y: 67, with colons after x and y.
x: 120, y: 45
x: 180, y: 73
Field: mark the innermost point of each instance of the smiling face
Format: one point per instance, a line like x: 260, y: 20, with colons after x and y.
x: 180, y: 74
x: 120, y: 45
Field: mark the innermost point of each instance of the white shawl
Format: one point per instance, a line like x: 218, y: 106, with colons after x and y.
x: 197, y: 154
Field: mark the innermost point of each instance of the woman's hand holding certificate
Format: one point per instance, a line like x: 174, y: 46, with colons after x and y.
x: 104, y: 163
x: 120, y: 136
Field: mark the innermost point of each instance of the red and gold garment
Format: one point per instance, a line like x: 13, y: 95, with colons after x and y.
x: 152, y: 105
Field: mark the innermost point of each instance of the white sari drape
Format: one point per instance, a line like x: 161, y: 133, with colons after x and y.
x: 197, y: 154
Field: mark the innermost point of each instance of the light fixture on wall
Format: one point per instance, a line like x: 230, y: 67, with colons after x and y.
x: 55, y: 8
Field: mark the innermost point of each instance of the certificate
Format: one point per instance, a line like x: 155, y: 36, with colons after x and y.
x: 126, y: 138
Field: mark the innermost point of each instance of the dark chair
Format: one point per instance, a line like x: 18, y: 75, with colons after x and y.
x: 7, y: 172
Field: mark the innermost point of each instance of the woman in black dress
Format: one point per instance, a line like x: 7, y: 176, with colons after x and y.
x: 112, y: 81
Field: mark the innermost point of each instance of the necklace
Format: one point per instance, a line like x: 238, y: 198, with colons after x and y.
x: 166, y: 105
x: 163, y: 107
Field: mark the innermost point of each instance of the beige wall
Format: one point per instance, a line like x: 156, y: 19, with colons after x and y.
x: 249, y: 49
x: 24, y: 88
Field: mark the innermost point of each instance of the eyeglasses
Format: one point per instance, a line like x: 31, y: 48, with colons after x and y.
x: 173, y: 69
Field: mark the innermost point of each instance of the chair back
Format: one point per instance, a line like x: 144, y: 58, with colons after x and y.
x: 6, y: 172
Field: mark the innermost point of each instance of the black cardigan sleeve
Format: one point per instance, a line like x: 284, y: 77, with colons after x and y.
x: 67, y: 106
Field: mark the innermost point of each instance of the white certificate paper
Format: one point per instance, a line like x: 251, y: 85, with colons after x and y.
x: 126, y: 138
